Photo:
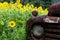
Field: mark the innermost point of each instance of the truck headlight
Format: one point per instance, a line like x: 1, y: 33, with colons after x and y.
x: 37, y: 31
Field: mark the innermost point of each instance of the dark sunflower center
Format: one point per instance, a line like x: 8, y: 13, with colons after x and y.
x: 11, y: 23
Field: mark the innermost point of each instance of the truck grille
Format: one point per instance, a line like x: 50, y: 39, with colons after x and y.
x: 52, y: 31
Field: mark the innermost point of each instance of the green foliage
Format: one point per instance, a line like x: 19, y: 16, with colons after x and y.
x: 16, y: 33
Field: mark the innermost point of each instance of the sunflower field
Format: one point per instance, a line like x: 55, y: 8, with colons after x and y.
x: 13, y: 18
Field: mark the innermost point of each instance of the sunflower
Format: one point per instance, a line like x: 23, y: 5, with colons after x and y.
x: 18, y: 1
x: 12, y: 24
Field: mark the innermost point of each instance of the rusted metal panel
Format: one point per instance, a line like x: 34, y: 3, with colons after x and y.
x: 50, y: 39
x: 53, y: 30
x: 52, y: 35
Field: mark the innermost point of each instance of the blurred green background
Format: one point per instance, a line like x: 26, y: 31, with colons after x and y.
x: 44, y: 3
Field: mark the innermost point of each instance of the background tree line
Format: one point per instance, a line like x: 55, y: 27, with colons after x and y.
x: 44, y: 3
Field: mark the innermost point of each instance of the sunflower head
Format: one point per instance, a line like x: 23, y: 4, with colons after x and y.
x: 12, y: 24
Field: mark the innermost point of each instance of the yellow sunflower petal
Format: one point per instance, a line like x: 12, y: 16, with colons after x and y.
x: 12, y: 24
